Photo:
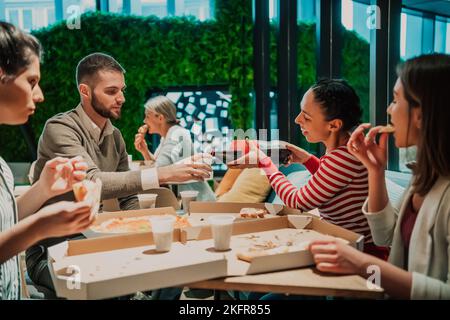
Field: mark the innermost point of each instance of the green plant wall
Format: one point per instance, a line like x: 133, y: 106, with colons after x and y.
x: 159, y: 53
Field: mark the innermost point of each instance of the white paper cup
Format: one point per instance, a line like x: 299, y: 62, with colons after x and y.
x: 186, y: 197
x: 162, y: 228
x: 222, y: 228
x: 147, y: 200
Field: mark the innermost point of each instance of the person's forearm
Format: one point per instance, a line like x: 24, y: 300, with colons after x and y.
x: 396, y: 282
x: 31, y: 201
x: 18, y: 238
x: 148, y: 156
x: 378, y: 196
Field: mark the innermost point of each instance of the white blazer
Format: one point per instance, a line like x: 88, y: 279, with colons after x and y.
x: 429, y: 250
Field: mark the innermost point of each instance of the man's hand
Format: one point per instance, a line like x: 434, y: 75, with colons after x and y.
x: 197, y: 167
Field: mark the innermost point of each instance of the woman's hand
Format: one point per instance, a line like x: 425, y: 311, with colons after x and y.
x: 335, y: 256
x: 298, y: 154
x: 62, y: 219
x: 59, y: 174
x: 251, y: 159
x: 140, y: 144
x: 372, y: 155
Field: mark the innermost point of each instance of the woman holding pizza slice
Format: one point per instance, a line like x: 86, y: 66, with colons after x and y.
x: 418, y: 228
x: 19, y: 227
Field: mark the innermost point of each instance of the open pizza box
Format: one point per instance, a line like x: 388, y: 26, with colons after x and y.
x: 201, y: 210
x: 287, y: 238
x: 103, y: 221
x: 114, y: 266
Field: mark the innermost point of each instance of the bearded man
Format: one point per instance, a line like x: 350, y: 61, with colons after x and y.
x: 87, y: 131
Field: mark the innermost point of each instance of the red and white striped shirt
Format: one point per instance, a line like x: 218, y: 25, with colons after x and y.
x: 338, y: 188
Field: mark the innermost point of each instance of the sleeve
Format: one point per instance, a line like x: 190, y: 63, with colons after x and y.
x: 425, y: 287
x: 329, y: 179
x: 61, y: 140
x: 177, y: 147
x: 382, y: 223
x: 312, y: 165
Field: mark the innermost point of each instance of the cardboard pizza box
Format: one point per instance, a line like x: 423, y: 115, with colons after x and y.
x: 201, y: 210
x: 93, y: 232
x: 114, y: 266
x: 245, y: 233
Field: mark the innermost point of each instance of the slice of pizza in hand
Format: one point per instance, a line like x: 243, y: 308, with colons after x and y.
x: 90, y: 192
x: 387, y: 129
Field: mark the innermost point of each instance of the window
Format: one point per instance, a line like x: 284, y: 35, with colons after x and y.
x: 411, y: 36
x: 306, y: 10
x: 201, y: 9
x: 27, y: 19
x: 354, y: 18
x: 355, y: 69
x: 12, y: 16
x: 71, y: 7
x: 440, y: 35
x: 447, y: 50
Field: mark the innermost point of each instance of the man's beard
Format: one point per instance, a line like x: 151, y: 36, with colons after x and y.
x: 102, y: 110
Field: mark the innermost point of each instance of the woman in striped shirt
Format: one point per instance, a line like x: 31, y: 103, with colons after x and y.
x: 338, y: 186
x: 19, y: 227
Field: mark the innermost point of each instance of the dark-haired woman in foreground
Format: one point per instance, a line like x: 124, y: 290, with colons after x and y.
x: 418, y: 230
x: 19, y: 227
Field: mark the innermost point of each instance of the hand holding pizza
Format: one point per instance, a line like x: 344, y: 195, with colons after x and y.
x: 59, y: 175
x: 365, y: 148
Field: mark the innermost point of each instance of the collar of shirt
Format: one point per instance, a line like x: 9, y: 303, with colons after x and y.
x: 94, y: 130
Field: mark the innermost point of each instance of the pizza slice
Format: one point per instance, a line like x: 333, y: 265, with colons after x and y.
x: 252, y: 213
x: 89, y: 191
x: 143, y: 129
x: 387, y: 129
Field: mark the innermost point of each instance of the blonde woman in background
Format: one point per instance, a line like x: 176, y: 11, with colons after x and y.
x: 175, y: 145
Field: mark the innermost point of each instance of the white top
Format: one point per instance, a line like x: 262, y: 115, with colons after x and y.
x: 429, y: 249
x: 175, y: 146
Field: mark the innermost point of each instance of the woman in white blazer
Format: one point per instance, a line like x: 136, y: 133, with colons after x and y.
x: 418, y: 228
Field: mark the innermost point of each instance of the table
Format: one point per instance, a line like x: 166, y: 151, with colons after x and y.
x: 304, y: 281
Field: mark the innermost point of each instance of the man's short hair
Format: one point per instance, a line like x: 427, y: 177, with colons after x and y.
x: 89, y: 66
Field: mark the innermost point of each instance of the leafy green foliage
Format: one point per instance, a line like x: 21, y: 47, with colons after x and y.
x: 174, y: 51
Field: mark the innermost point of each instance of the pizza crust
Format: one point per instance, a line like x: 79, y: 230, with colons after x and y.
x: 133, y: 224
x: 387, y: 129
x: 90, y: 192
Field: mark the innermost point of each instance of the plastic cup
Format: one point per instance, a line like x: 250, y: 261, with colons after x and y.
x: 186, y: 197
x: 162, y: 228
x: 222, y: 228
x: 147, y: 200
